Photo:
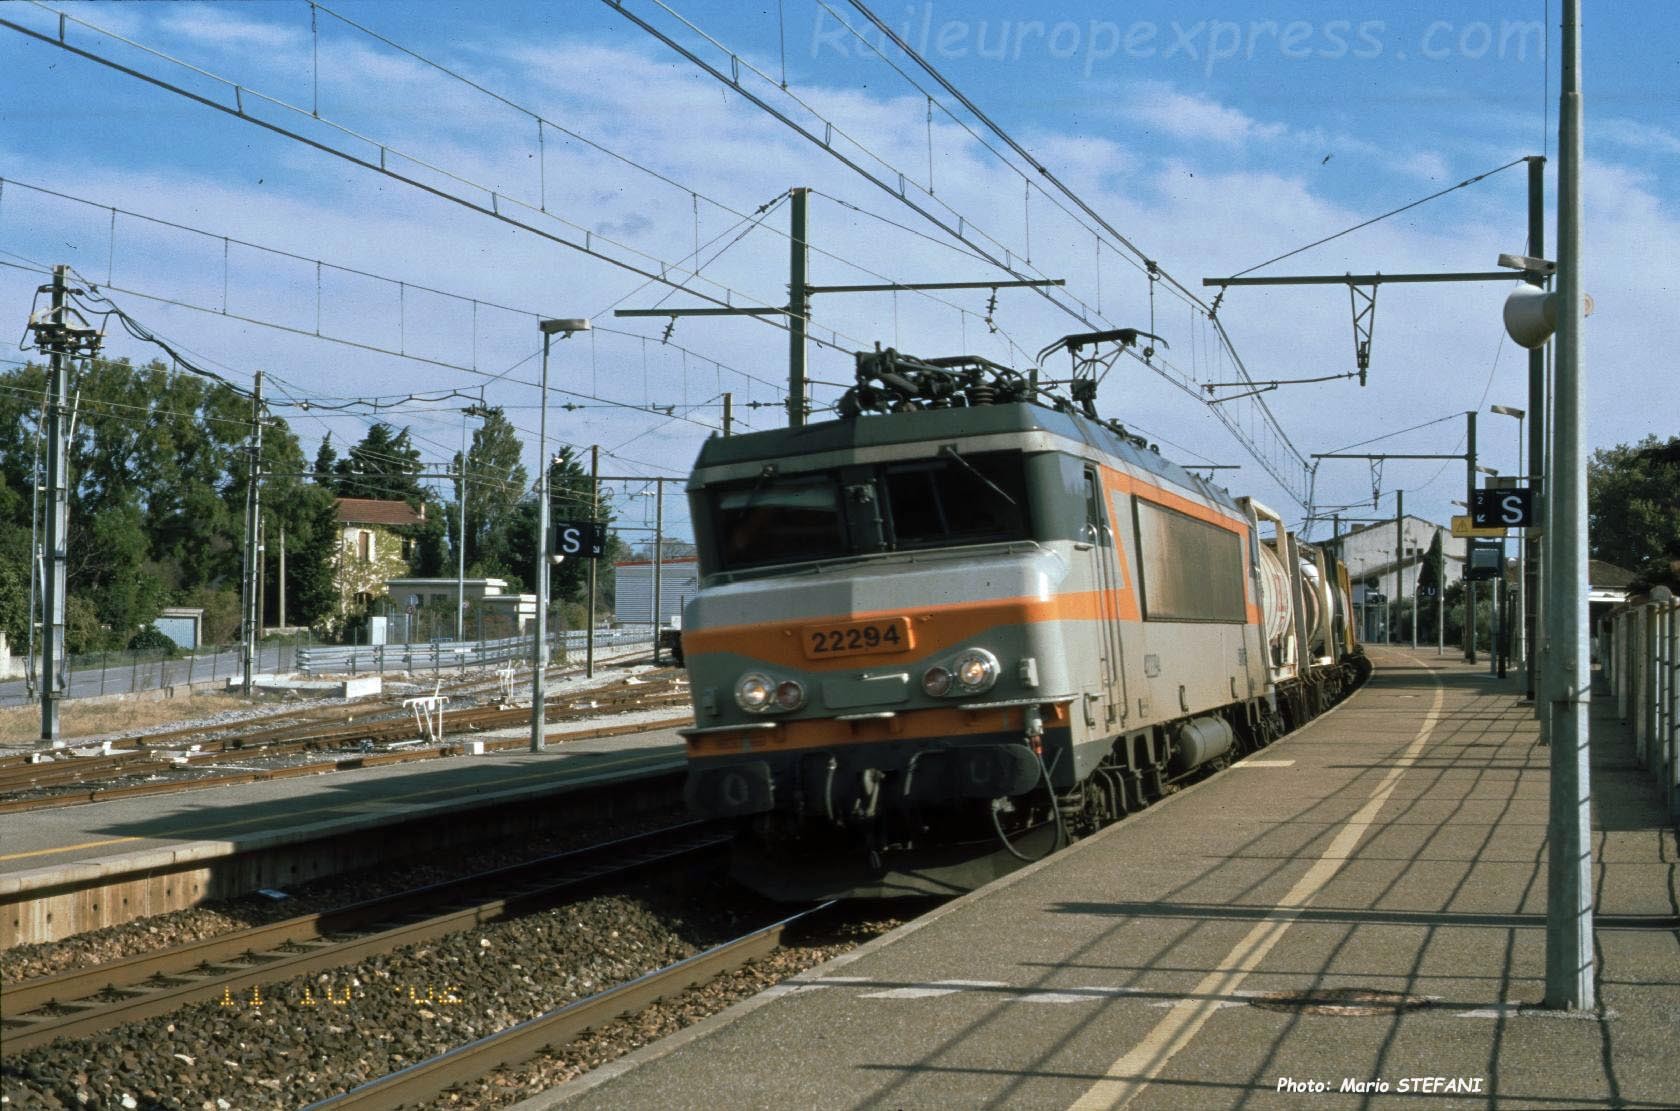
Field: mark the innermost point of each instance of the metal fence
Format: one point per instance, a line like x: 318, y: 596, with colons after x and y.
x: 1642, y: 664
x: 121, y: 671
x: 443, y: 656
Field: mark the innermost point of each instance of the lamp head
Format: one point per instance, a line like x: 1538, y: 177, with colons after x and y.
x: 567, y: 324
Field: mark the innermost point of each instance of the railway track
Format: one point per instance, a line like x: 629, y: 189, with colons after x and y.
x: 422, y: 1083
x: 299, y: 723
x: 84, y: 1002
x: 381, y: 725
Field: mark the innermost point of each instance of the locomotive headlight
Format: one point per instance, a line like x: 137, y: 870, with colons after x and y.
x: 976, y: 670
x: 936, y: 681
x: 754, y: 691
x: 789, y: 695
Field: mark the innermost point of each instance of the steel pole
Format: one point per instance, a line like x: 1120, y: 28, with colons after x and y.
x: 461, y: 537
x: 1495, y: 589
x: 36, y: 586
x: 1546, y: 679
x: 262, y: 581
x: 1441, y: 600
x: 594, y: 515
x: 539, y: 649
x: 1534, y: 569
x: 54, y: 578
x: 1417, y: 583
x: 1469, y: 496
x: 280, y: 579
x: 1400, y: 548
x: 253, y: 508
x: 1519, y: 634
x: 799, y: 306
x: 658, y: 556
x: 1569, y: 912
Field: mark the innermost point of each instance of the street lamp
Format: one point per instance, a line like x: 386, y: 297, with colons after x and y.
x: 539, y: 654
x: 1520, y: 638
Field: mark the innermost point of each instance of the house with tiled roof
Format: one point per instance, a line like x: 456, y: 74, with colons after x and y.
x: 371, y: 550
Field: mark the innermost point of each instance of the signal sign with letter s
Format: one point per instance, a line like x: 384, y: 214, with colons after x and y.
x: 1502, y: 508
x: 580, y: 538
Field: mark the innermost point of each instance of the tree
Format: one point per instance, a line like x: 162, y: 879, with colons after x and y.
x: 1431, y: 576
x: 1633, y: 508
x: 510, y: 551
x: 385, y: 464
x: 429, y: 547
x: 495, y: 482
x: 313, y: 590
x: 16, y: 566
x: 82, y: 632
x: 570, y: 489
x: 326, y: 463
x: 14, y: 604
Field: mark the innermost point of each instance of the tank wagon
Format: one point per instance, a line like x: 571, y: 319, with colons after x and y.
x: 967, y: 622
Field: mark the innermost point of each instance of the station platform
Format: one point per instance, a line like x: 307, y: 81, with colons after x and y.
x: 1221, y: 948
x: 172, y: 850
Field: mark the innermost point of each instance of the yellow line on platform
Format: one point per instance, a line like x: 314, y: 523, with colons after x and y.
x: 69, y: 848
x: 1129, y: 1075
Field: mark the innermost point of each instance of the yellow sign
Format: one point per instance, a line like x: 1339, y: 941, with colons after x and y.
x: 1462, y: 527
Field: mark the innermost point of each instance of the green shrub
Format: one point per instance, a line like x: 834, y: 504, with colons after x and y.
x: 148, y: 639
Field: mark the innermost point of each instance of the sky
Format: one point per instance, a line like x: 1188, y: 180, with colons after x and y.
x: 1207, y: 137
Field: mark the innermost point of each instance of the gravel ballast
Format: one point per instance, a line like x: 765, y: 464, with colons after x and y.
x: 288, y: 1043
x: 148, y: 935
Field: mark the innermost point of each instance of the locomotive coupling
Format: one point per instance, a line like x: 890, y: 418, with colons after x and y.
x: 1034, y: 718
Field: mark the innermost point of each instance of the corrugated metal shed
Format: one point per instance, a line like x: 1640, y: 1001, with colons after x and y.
x: 679, y: 580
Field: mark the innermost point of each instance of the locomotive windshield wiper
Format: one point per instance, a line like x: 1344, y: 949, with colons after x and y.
x: 951, y: 450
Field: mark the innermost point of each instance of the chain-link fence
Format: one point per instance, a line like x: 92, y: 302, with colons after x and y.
x: 125, y: 671
x: 120, y: 671
x: 443, y: 657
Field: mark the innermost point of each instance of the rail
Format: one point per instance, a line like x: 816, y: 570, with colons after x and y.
x: 1642, y: 664
x: 84, y: 1002
x: 424, y: 1082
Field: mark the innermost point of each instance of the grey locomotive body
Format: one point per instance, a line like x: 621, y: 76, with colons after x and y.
x: 932, y: 644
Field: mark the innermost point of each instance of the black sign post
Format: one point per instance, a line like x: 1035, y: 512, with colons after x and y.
x: 1502, y: 508
x: 581, y: 539
x: 1486, y: 560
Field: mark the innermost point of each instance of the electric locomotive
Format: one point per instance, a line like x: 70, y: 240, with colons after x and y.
x: 968, y: 621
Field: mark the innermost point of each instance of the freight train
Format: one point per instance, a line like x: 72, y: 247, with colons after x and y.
x: 968, y: 621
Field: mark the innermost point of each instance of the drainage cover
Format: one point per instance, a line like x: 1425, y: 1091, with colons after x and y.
x: 1339, y: 1001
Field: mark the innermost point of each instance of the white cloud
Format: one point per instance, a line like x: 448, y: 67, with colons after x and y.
x: 1187, y: 116
x: 214, y: 26
x: 1238, y: 189
x: 1636, y: 135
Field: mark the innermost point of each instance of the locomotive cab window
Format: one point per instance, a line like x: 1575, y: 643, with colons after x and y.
x: 956, y: 499
x: 788, y: 521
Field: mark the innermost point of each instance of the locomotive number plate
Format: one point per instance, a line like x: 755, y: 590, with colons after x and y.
x: 855, y: 638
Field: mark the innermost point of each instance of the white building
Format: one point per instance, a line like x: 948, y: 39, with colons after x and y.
x: 679, y: 580
x: 1375, y: 566
x: 429, y: 605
